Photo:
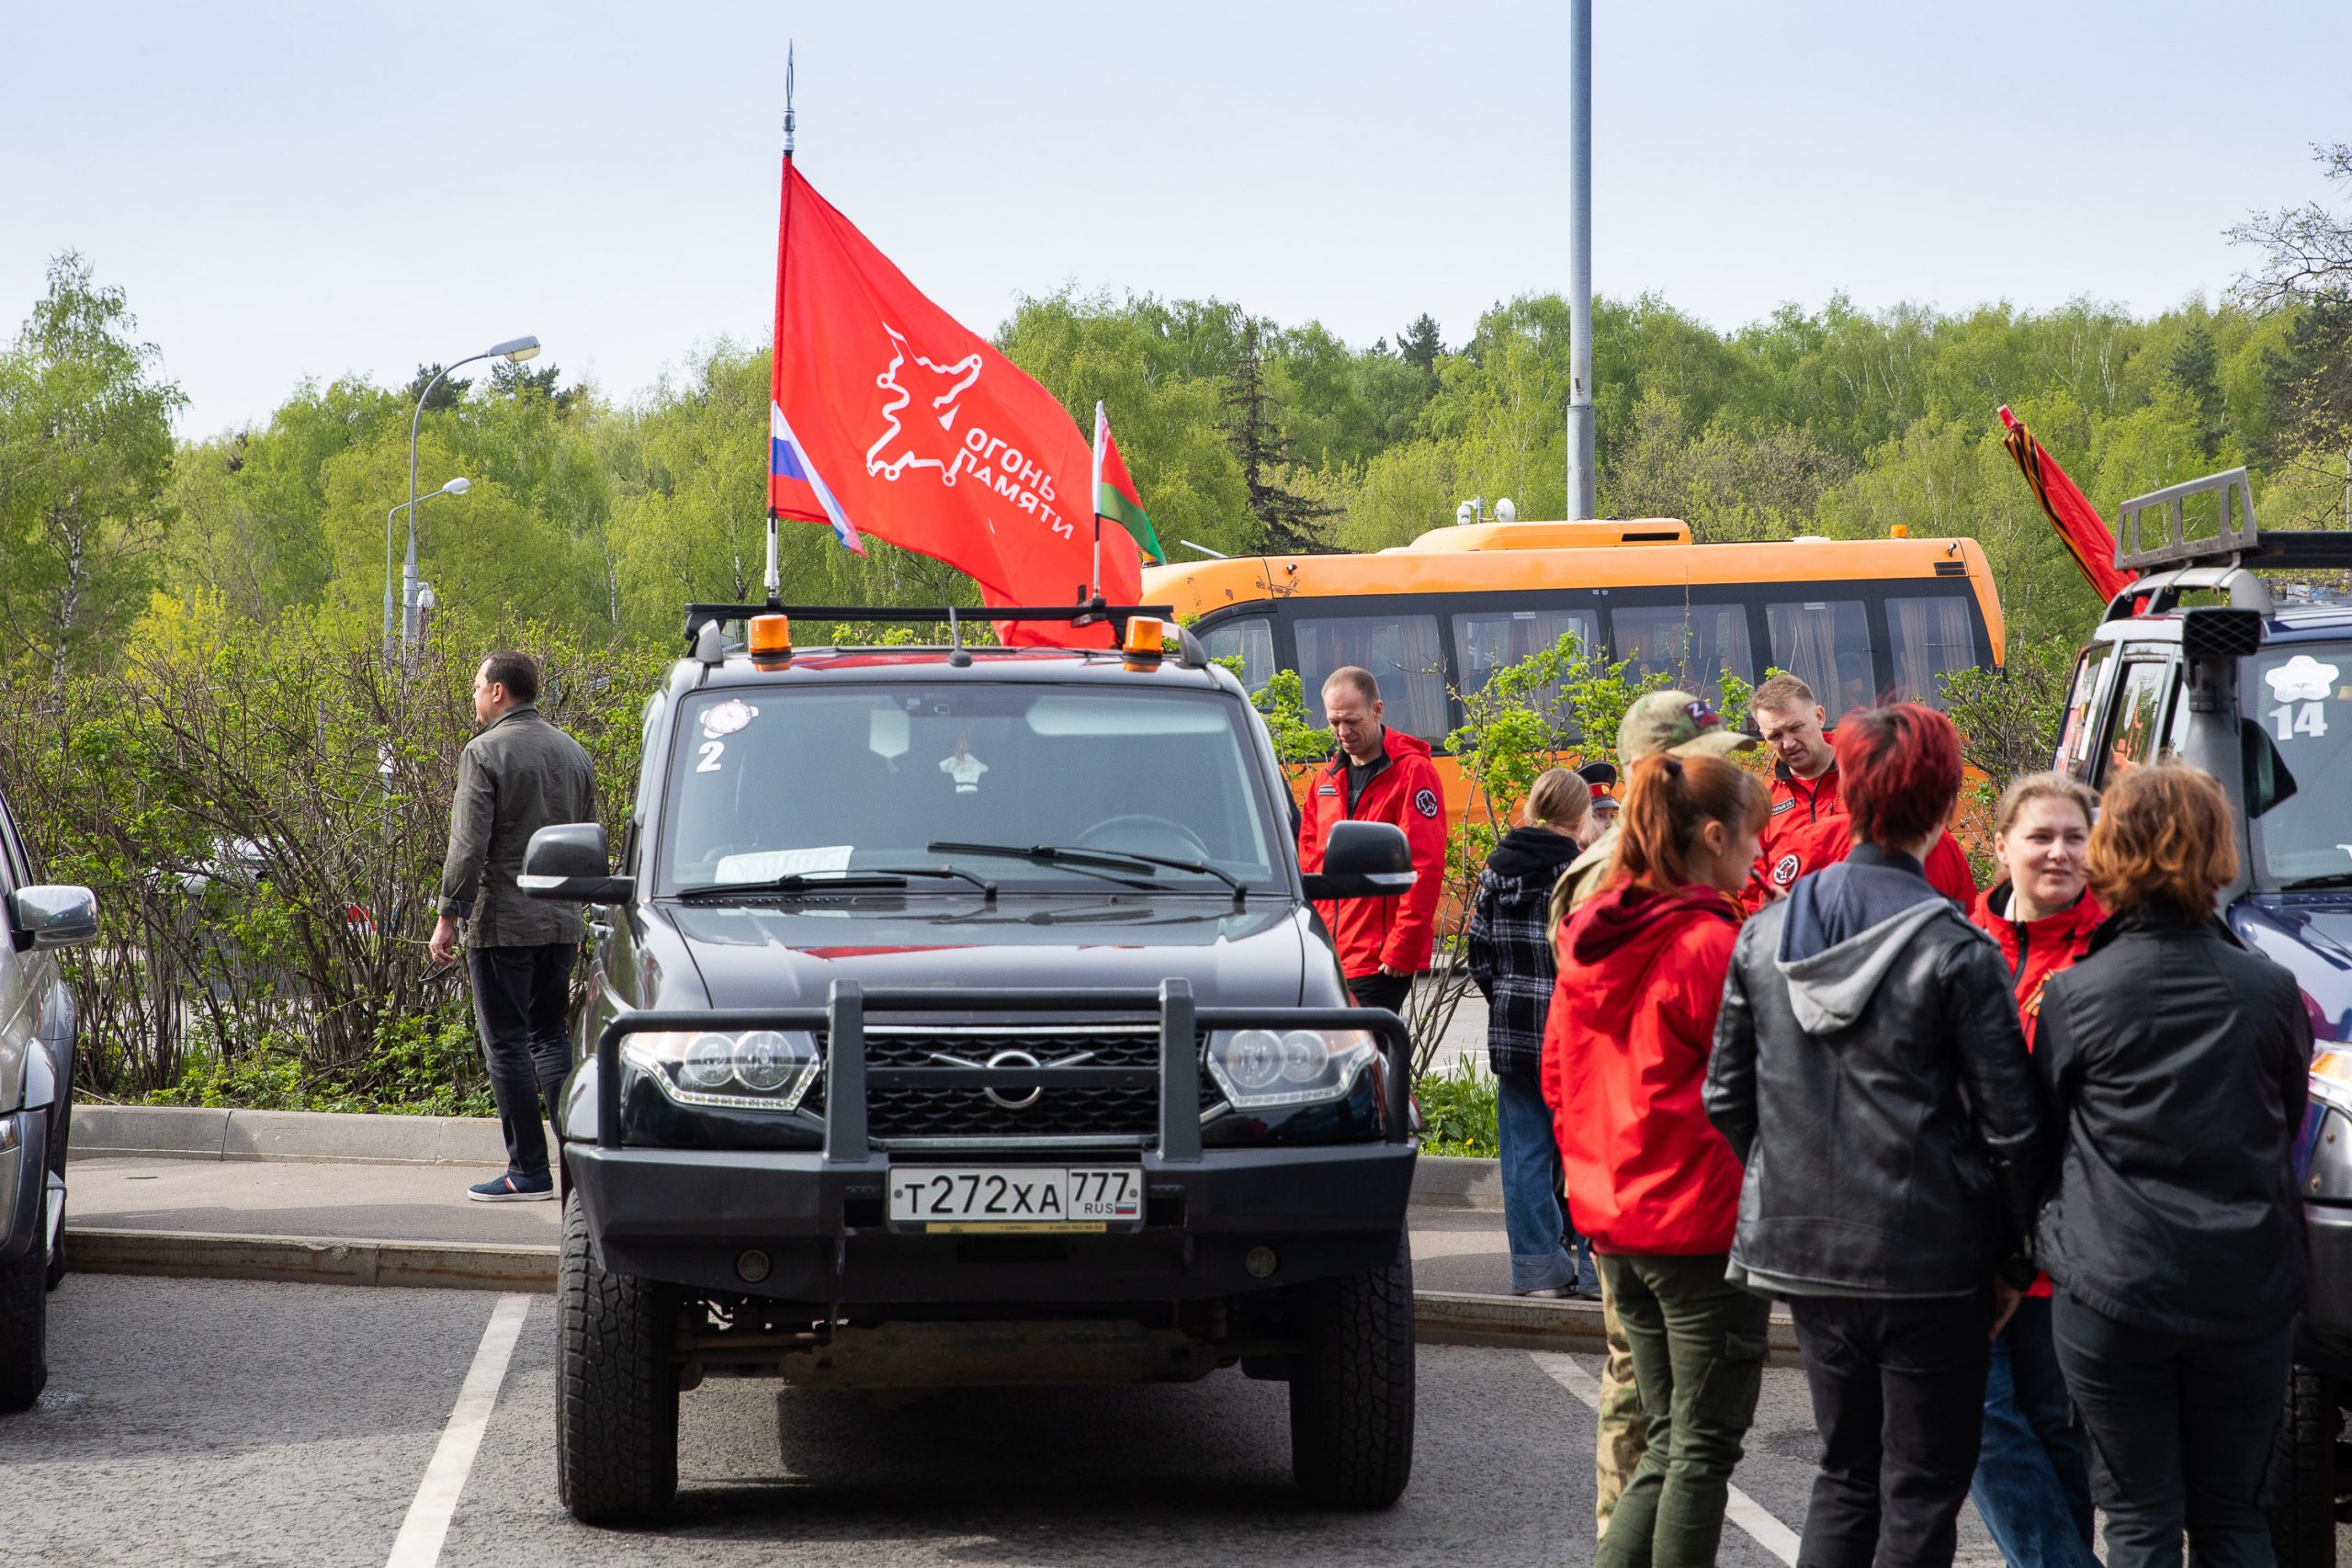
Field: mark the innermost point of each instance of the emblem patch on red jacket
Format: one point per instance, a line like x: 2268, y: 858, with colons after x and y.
x: 1425, y: 802
x: 1784, y: 805
x: 1784, y: 869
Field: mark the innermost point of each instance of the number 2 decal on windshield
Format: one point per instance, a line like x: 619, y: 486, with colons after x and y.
x: 711, y: 751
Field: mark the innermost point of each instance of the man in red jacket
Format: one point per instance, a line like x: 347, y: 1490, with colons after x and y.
x: 1376, y: 775
x: 1804, y: 776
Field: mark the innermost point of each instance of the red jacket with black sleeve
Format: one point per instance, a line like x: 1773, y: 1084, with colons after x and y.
x: 1406, y: 792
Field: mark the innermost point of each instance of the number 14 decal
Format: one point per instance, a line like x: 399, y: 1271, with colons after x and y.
x: 2289, y: 720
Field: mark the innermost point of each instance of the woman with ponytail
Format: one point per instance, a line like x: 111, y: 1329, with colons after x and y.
x: 1653, y: 1184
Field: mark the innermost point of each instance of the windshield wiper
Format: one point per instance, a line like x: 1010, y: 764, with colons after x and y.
x: 1102, y: 862
x: 1065, y: 855
x: 2315, y: 883
x: 810, y: 882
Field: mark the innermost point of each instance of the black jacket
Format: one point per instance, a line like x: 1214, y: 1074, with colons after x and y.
x: 1870, y: 1072
x: 2178, y: 1062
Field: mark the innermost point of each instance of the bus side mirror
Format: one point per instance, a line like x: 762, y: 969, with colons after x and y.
x: 567, y: 863
x: 1363, y: 859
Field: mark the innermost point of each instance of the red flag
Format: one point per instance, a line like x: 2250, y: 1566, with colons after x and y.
x: 2069, y: 511
x: 904, y: 425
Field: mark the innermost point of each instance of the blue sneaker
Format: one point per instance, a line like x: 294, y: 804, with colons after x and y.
x: 512, y: 1188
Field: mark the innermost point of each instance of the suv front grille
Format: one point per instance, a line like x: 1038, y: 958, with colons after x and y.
x: 918, y: 1114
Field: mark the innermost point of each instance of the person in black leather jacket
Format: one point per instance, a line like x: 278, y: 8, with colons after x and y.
x: 2177, y: 1062
x: 1870, y: 1072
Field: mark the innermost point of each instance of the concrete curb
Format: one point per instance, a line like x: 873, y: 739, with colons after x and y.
x: 178, y: 1131
x: 317, y: 1261
x: 1440, y: 1317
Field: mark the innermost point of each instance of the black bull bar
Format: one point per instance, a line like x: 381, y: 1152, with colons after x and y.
x: 847, y: 1074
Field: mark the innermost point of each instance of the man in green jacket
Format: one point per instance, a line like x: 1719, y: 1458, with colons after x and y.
x: 520, y: 775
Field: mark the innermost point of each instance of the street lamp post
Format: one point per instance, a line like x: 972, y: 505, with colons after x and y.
x: 455, y: 487
x: 513, y: 351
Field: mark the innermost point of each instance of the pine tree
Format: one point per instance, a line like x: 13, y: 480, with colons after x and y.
x: 445, y: 396
x: 2197, y: 369
x: 1418, y: 345
x: 1259, y: 446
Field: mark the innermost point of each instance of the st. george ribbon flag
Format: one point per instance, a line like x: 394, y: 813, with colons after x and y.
x: 2070, y: 512
x: 892, y: 421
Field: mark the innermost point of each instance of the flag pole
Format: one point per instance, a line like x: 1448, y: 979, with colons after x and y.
x: 1094, y: 582
x: 774, y: 577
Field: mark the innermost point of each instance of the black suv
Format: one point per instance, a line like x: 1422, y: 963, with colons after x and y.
x: 962, y: 1019
x: 2258, y: 690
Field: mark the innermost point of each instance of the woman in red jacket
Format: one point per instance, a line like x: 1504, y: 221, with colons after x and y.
x: 1650, y: 1180
x: 2033, y: 1485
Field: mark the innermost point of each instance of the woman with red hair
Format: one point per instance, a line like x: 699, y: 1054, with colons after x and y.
x: 1656, y: 1187
x: 1871, y: 1074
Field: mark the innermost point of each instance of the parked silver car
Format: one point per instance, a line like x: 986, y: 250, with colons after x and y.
x: 37, y: 1037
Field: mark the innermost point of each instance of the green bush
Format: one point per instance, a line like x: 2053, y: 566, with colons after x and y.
x: 1458, y: 1112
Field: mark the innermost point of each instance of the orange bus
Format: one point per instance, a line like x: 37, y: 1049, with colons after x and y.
x: 1860, y: 620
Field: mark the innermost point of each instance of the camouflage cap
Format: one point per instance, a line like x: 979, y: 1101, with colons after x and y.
x: 1676, y: 722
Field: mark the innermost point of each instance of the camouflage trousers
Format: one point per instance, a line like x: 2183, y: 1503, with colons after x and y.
x: 1624, y: 1430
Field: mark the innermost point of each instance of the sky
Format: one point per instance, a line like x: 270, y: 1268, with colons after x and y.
x: 305, y: 190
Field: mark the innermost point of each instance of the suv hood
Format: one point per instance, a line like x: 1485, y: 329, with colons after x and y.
x: 789, y: 955
x: 2312, y: 935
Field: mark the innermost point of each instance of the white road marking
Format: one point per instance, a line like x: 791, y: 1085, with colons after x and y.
x: 1740, y: 1509
x: 419, y: 1543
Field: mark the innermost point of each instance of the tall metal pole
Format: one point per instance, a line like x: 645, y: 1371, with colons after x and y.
x: 1580, y: 503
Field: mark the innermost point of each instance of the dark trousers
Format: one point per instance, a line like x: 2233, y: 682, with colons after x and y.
x: 1898, y: 1394
x: 521, y: 997
x: 1378, y: 990
x: 2180, y: 1428
x: 1698, y: 1343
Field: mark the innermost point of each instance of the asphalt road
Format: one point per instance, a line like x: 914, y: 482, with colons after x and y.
x: 201, y: 1422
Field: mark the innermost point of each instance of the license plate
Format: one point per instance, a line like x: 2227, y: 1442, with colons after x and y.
x: 970, y: 1198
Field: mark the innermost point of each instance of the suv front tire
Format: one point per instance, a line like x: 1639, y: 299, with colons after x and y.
x: 1351, y: 1391
x: 616, y: 1388
x: 23, y: 1316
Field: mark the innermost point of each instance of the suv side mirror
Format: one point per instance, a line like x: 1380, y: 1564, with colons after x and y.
x: 52, y: 915
x: 568, y: 863
x: 1363, y: 859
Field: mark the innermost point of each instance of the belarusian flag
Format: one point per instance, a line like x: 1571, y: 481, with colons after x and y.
x: 1115, y: 493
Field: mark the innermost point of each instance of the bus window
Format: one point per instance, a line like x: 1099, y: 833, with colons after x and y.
x: 1494, y: 639
x: 1826, y: 643
x: 1692, y: 645
x: 2075, y: 740
x: 1932, y: 638
x: 1402, y: 653
x: 1250, y: 640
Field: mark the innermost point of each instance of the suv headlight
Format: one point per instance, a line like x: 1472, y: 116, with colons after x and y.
x: 2331, y: 1076
x: 1261, y: 1068
x: 753, y: 1069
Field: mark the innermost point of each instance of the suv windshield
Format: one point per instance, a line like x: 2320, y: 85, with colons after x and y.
x: 2301, y: 694
x: 779, y: 782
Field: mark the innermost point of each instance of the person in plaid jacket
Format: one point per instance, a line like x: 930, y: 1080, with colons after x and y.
x: 1510, y: 960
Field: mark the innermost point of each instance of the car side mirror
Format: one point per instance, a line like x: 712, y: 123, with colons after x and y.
x: 1363, y: 859
x: 569, y: 864
x: 52, y: 915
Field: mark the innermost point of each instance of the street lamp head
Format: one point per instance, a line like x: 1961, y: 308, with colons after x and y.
x: 516, y: 350
x: 458, y: 486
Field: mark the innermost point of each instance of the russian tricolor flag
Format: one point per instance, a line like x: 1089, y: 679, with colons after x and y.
x: 793, y: 479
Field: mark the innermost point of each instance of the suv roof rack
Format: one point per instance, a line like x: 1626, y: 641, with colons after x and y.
x: 2224, y: 560
x: 700, y: 615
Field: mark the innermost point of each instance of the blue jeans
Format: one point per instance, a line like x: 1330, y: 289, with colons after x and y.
x: 2032, y: 1485
x: 1533, y: 1217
